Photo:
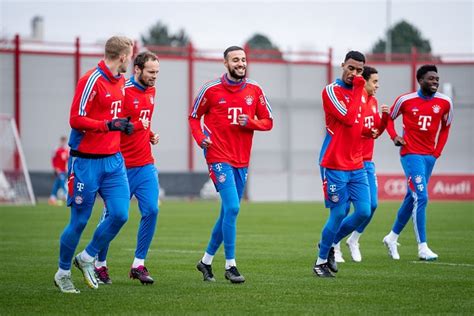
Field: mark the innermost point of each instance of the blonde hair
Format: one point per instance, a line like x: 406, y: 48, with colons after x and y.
x: 116, y: 46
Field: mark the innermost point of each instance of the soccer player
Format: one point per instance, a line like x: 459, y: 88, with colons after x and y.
x: 233, y: 107
x: 141, y: 172
x: 59, y: 162
x: 96, y: 164
x: 342, y: 169
x: 373, y: 127
x: 426, y: 114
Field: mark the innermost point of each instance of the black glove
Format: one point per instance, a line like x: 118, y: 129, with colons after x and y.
x: 129, y: 127
x: 119, y: 124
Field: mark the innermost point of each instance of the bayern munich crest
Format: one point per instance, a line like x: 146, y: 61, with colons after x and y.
x: 335, y: 198
x: 418, y: 179
x: 78, y: 199
x: 436, y: 108
x: 221, y: 178
x: 249, y: 100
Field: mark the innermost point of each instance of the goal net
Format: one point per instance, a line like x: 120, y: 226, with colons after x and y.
x: 15, y: 183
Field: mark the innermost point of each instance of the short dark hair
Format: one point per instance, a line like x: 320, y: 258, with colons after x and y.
x: 424, y: 69
x: 231, y: 49
x: 143, y: 57
x: 353, y: 54
x: 368, y: 71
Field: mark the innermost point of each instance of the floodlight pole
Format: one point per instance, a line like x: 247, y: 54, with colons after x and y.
x: 388, y: 43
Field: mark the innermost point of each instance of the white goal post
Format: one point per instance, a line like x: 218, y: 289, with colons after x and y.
x: 15, y: 183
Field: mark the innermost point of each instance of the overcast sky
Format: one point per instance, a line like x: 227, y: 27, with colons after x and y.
x: 291, y: 25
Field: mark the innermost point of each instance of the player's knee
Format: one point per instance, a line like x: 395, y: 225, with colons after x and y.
x: 422, y: 197
x: 363, y: 210
x: 119, y: 218
x: 231, y: 213
x: 152, y: 211
x: 79, y: 225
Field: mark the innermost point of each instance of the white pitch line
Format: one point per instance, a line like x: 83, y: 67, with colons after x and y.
x: 446, y: 263
x: 169, y: 250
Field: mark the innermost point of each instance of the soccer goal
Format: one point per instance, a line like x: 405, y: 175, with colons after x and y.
x: 15, y: 183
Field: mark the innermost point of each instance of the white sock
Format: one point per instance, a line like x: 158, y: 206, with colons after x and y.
x: 392, y: 236
x: 86, y: 257
x: 100, y: 264
x: 138, y: 262
x: 62, y: 272
x: 207, y: 259
x: 321, y: 261
x: 229, y: 263
x: 422, y: 246
x: 354, y: 238
x: 337, y: 246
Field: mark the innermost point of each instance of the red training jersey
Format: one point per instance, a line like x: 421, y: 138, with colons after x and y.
x: 221, y: 102
x: 342, y: 105
x: 139, y: 105
x: 98, y: 98
x: 59, y: 160
x: 423, y: 118
x: 372, y: 120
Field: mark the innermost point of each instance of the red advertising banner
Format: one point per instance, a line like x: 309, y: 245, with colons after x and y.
x: 441, y: 187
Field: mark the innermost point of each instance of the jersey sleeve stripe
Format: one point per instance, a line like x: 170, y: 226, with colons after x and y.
x: 332, y: 96
x: 451, y: 111
x: 400, y: 101
x: 201, y: 95
x: 267, y: 104
x: 87, y: 91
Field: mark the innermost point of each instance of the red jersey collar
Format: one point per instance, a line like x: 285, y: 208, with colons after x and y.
x: 232, y: 85
x: 105, y: 71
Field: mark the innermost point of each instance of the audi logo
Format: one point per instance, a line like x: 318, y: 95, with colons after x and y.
x: 395, y: 187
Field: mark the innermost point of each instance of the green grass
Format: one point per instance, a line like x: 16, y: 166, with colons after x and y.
x: 275, y: 251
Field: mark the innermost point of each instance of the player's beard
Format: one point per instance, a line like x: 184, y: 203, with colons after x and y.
x: 150, y: 83
x: 235, y: 75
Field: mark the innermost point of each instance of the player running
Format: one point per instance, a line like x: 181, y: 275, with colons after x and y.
x: 426, y: 114
x: 233, y: 107
x: 141, y: 172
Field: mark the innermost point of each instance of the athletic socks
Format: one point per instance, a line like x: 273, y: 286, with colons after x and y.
x: 207, y: 259
x: 138, y: 262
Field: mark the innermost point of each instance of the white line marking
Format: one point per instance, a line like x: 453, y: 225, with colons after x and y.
x: 168, y: 250
x: 446, y: 263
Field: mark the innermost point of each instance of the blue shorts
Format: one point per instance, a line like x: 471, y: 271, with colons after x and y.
x: 341, y: 186
x: 224, y: 176
x: 144, y: 184
x: 87, y: 177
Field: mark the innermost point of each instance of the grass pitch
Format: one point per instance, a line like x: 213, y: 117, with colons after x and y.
x: 275, y: 251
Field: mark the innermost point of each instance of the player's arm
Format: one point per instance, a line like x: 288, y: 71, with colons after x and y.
x: 334, y: 102
x: 81, y: 104
x: 444, y: 132
x: 263, y: 120
x: 380, y: 123
x: 384, y: 120
x: 154, y: 137
x: 394, y: 113
x: 198, y: 109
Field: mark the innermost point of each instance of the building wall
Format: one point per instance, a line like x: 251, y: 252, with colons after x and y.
x: 284, y: 161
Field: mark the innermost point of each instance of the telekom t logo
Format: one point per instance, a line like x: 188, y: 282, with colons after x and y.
x: 116, y: 108
x: 233, y: 114
x: 424, y: 121
x: 369, y: 121
x: 80, y: 186
x: 145, y: 115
